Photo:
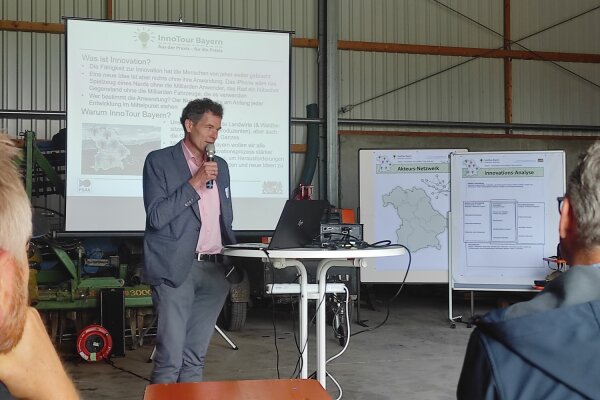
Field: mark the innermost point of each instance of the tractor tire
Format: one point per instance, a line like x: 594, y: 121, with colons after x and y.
x: 233, y: 316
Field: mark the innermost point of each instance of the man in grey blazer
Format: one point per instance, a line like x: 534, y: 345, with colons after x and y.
x: 188, y: 221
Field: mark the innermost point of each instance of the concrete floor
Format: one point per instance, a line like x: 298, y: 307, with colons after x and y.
x: 415, y: 355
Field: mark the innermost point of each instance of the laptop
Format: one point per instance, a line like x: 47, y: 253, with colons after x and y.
x: 299, y: 224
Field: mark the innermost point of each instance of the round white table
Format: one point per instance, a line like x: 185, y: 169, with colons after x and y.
x: 284, y: 258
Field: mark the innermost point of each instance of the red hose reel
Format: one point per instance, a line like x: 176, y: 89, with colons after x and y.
x: 94, y: 343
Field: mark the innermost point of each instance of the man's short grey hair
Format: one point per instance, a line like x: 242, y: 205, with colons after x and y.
x: 196, y: 109
x: 583, y: 191
x: 15, y: 208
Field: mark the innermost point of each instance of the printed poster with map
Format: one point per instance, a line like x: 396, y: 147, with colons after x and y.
x: 405, y: 198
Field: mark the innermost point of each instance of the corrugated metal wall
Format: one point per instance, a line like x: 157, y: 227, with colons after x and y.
x: 420, y: 22
x: 372, y: 85
x: 378, y: 85
x: 547, y: 92
x: 33, y: 70
x: 33, y: 63
x: 412, y: 86
x: 396, y: 86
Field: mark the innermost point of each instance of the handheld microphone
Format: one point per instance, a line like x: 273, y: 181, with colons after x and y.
x: 210, y: 156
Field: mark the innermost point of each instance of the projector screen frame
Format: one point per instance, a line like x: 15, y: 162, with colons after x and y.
x: 283, y: 127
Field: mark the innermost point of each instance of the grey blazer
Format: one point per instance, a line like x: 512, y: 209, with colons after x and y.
x: 172, y: 215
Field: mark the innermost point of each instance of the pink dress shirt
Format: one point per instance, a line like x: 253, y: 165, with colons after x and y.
x: 209, y: 239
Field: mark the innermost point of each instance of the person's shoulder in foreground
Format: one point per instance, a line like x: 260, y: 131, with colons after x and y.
x: 541, y: 349
x: 29, y: 366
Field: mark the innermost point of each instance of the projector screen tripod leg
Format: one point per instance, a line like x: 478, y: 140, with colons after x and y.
x: 224, y: 336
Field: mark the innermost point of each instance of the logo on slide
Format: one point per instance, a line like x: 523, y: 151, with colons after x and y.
x: 383, y: 164
x: 85, y: 185
x: 471, y: 167
x: 143, y: 36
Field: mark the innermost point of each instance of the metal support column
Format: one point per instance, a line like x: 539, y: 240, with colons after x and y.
x: 332, y: 104
x: 322, y: 99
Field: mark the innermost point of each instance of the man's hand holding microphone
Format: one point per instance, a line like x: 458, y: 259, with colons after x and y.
x: 208, y: 171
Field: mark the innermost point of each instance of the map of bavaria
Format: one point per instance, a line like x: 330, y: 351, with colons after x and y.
x: 420, y: 223
x: 405, y: 199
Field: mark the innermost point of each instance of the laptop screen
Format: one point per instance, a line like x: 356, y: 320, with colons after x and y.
x: 299, y: 223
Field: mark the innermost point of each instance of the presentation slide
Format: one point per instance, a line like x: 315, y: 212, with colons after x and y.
x: 504, y: 216
x: 405, y: 198
x: 127, y: 84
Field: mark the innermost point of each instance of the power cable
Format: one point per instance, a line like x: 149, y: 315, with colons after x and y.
x: 273, y: 315
x: 389, y: 302
x: 299, y: 362
x: 112, y: 364
x: 346, y: 305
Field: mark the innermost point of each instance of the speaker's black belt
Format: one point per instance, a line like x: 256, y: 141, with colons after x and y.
x: 216, y: 258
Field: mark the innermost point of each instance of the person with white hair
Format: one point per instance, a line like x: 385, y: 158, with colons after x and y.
x: 29, y: 365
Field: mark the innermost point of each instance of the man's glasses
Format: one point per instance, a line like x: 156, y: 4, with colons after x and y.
x: 560, y: 200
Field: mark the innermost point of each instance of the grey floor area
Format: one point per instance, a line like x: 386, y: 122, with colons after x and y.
x: 414, y: 355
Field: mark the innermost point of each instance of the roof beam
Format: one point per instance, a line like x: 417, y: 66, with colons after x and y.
x: 27, y: 26
x: 376, y: 47
x: 467, y: 51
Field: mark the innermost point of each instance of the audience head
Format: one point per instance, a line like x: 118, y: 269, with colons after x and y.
x: 15, y: 232
x: 583, y: 197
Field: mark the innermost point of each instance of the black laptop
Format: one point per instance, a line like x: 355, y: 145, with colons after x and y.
x: 299, y: 224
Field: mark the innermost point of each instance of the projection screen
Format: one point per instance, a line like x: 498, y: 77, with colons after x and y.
x: 126, y: 86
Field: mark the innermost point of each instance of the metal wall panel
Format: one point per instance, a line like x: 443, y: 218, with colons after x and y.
x: 577, y: 35
x: 473, y: 92
x: 32, y: 77
x: 420, y: 87
x: 545, y: 93
x: 33, y: 71
x: 549, y: 92
x: 298, y: 16
x: 421, y: 22
x: 371, y: 85
x: 51, y: 11
x: 406, y: 87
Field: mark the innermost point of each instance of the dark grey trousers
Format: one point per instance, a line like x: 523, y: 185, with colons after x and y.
x: 186, y: 321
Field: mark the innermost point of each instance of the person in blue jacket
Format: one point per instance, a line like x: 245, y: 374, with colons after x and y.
x: 548, y: 347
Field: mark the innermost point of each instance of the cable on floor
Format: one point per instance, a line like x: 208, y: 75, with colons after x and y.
x: 389, y: 302
x: 347, y: 329
x: 343, y: 349
x: 273, y: 315
x: 112, y: 364
x: 336, y: 384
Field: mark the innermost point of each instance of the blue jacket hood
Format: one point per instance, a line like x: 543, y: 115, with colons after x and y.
x: 563, y: 343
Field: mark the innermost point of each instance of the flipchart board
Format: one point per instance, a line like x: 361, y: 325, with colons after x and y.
x: 405, y: 198
x: 504, y: 218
